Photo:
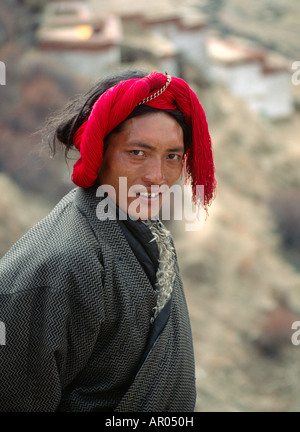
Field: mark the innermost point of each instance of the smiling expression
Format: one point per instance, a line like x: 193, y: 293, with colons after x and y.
x: 148, y: 152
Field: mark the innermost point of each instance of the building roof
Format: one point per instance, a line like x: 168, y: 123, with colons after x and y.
x: 84, y: 36
x: 274, y: 63
x: 232, y: 52
x: 64, y: 13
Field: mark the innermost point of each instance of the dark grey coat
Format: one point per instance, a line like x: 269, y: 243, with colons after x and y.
x: 76, y: 305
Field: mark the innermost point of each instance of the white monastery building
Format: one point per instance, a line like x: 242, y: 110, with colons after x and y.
x: 95, y: 37
x: 261, y: 80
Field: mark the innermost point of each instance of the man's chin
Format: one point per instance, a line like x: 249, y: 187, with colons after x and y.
x: 144, y: 212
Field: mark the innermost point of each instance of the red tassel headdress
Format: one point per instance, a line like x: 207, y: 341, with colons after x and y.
x: 158, y: 91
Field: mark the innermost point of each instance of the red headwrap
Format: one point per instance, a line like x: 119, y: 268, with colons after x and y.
x: 118, y: 102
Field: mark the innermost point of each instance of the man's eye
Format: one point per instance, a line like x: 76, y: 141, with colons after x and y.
x: 137, y: 152
x: 174, y: 156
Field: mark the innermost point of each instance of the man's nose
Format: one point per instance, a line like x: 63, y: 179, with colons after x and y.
x: 154, y: 172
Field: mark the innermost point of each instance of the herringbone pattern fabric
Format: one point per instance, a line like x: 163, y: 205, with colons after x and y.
x: 77, y: 305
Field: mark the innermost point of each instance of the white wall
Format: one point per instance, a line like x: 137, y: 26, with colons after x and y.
x: 244, y: 79
x: 169, y: 65
x: 167, y: 29
x: 278, y: 101
x: 189, y: 43
x: 192, y: 46
x: 268, y: 94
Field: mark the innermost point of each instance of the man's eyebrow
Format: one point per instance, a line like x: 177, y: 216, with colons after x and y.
x: 176, y: 149
x: 147, y: 146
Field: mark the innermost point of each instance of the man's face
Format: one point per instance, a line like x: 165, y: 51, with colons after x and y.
x: 148, y: 152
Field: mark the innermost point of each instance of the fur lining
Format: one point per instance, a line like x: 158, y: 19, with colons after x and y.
x: 166, y: 273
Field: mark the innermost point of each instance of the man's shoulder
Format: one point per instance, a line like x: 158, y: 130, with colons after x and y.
x: 61, y: 238
x: 59, y: 225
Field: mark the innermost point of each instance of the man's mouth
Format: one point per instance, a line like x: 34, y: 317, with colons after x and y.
x: 148, y: 195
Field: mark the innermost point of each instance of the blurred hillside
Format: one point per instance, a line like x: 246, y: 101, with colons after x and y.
x: 35, y: 87
x: 241, y: 271
x: 235, y: 271
x: 272, y: 24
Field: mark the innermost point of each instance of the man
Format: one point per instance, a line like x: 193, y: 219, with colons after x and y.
x: 91, y: 297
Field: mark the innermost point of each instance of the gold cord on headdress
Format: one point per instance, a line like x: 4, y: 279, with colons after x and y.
x: 157, y: 93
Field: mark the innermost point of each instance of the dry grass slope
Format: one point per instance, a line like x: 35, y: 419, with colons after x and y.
x: 234, y: 272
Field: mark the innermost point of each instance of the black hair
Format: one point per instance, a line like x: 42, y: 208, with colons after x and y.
x: 61, y: 127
